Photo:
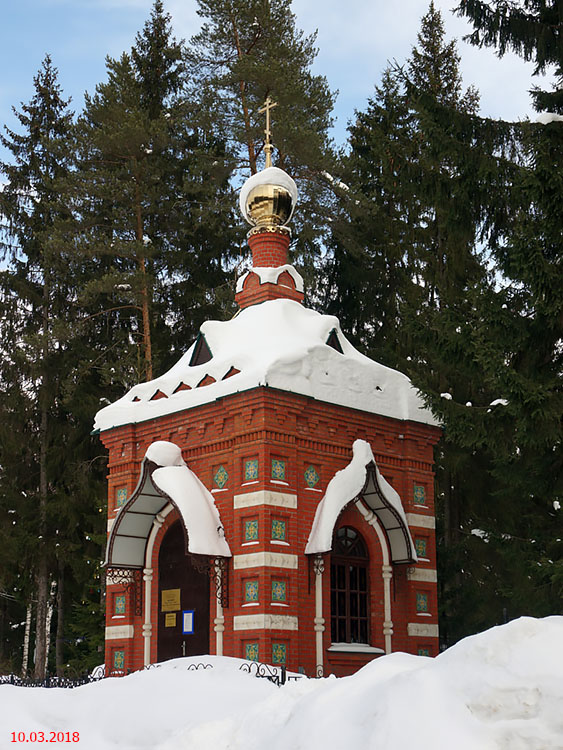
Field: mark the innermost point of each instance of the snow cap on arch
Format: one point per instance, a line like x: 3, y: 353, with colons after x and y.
x: 361, y: 479
x: 165, y: 478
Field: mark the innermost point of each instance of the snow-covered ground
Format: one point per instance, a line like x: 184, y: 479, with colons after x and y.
x: 500, y: 689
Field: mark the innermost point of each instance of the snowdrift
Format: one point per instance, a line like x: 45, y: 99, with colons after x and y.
x: 502, y: 689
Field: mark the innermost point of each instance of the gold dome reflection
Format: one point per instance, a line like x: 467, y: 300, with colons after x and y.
x: 269, y: 205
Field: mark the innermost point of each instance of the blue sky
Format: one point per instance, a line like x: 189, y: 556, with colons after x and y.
x: 355, y: 40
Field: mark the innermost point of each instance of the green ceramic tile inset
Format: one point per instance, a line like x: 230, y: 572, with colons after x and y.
x: 251, y: 470
x: 251, y: 651
x: 421, y: 601
x: 278, y: 469
x: 279, y: 591
x: 279, y: 653
x: 121, y: 497
x: 251, y: 530
x: 118, y: 659
x: 311, y: 476
x: 279, y: 529
x: 251, y: 591
x: 420, y: 546
x: 220, y: 477
x: 419, y: 494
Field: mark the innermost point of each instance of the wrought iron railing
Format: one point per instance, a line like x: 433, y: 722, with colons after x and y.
x: 52, y: 681
x: 276, y: 674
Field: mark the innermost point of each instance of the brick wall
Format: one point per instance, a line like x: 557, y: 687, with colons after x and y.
x: 266, y: 425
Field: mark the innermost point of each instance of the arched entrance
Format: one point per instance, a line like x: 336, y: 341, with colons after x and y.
x: 181, y: 589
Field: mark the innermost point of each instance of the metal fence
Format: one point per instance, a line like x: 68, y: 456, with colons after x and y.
x: 277, y: 675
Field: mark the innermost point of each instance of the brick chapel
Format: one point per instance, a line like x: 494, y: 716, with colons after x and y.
x: 271, y: 496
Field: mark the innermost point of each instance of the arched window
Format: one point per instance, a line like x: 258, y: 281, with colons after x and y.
x: 349, y: 589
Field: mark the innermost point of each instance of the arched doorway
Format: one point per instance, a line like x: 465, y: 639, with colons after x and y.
x: 181, y: 589
x: 349, y: 587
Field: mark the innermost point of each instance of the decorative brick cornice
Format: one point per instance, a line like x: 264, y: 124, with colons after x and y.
x: 269, y: 250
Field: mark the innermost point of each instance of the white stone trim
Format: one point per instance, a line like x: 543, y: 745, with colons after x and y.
x: 265, y: 560
x: 386, y: 572
x: 219, y: 621
x: 110, y: 524
x: 265, y: 497
x: 265, y: 622
x: 119, y: 632
x: 420, y: 630
x: 319, y: 621
x: 147, y: 578
x: 354, y: 648
x: 428, y: 575
x: 422, y: 521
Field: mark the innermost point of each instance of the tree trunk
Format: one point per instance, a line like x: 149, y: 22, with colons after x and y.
x: 59, y: 644
x: 50, y: 607
x: 41, y: 576
x: 245, y: 112
x: 145, y: 292
x: 26, y: 639
x: 2, y: 627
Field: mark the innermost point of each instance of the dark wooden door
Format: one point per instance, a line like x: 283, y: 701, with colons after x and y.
x: 176, y: 572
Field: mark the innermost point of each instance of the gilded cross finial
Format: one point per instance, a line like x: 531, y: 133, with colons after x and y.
x: 268, y: 105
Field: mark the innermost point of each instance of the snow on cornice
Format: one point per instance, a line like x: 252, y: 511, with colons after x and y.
x: 270, y: 275
x: 280, y: 344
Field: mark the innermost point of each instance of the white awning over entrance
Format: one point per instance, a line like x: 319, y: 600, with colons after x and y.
x: 165, y: 478
x: 361, y: 479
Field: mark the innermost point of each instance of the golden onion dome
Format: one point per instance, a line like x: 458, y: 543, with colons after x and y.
x: 268, y: 198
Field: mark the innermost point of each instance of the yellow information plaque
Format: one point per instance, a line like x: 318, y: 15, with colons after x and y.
x: 170, y: 620
x: 170, y: 600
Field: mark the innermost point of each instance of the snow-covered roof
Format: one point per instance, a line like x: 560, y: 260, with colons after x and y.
x: 165, y: 478
x: 280, y: 344
x: 361, y: 478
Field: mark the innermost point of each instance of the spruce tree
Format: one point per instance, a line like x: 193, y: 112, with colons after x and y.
x: 145, y: 192
x: 429, y: 183
x: 531, y: 29
x: 501, y: 363
x: 46, y: 448
x: 368, y: 270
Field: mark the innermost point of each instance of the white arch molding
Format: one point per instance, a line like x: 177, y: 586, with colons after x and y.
x: 386, y: 572
x: 319, y: 621
x: 147, y: 577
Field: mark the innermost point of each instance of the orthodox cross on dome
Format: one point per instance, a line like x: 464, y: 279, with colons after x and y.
x: 268, y: 105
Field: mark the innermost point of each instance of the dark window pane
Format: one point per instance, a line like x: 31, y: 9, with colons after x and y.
x: 354, y: 634
x: 353, y: 577
x: 353, y: 605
